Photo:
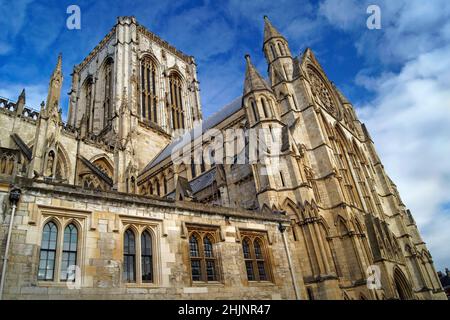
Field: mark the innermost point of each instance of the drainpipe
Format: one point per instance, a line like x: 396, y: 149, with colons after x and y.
x: 291, y: 269
x: 14, y: 196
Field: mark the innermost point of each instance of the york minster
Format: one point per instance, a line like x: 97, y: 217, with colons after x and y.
x: 106, y: 204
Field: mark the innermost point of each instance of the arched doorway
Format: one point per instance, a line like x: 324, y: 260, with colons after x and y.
x: 402, y: 285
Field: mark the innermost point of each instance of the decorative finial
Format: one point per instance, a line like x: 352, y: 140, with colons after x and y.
x: 266, y: 17
x: 247, y: 57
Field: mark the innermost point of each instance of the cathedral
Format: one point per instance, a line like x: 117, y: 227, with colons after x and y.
x: 280, y: 194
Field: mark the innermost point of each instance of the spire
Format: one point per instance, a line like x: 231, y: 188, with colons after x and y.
x: 54, y: 90
x: 58, y: 68
x: 270, y: 31
x: 21, y: 102
x: 22, y: 95
x: 253, y: 80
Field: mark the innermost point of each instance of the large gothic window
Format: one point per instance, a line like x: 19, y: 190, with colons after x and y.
x: 47, y: 256
x: 149, y: 98
x: 176, y: 101
x: 202, y: 256
x: 107, y: 105
x: 255, y: 259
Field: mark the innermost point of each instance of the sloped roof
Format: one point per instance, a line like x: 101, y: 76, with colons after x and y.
x: 209, y: 123
x: 253, y: 80
x: 199, y: 183
x: 270, y: 31
x: 203, y: 181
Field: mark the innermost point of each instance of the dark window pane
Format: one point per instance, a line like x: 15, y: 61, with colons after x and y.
x: 146, y: 257
x: 211, y: 270
x: 262, y: 271
x: 48, y: 252
x: 195, y: 269
x: 208, y: 247
x: 129, y: 266
x: 69, y: 254
x: 249, y: 267
x: 193, y: 246
x: 246, y: 249
x: 258, y: 251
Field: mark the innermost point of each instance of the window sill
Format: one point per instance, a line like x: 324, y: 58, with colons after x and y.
x: 52, y: 284
x: 142, y: 285
x: 203, y: 284
x: 260, y: 284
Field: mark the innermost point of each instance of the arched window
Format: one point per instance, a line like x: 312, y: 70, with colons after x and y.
x: 149, y: 98
x: 265, y: 109
x: 280, y: 47
x: 283, y: 183
x: 47, y: 255
x: 158, y: 188
x: 107, y: 105
x: 248, y: 260
x: 146, y: 257
x: 202, y: 164
x: 195, y: 258
x: 203, y: 259
x: 193, y: 169
x: 165, y: 185
x: 209, y: 259
x: 129, y: 257
x: 88, y: 99
x: 176, y: 101
x: 255, y: 259
x: 69, y: 253
x: 255, y: 111
x: 273, y: 51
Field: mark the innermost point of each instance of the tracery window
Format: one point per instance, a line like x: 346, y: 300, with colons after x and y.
x: 255, y: 258
x: 322, y: 93
x: 203, y: 256
x: 176, y: 101
x: 107, y: 105
x: 138, y: 255
x: 149, y: 98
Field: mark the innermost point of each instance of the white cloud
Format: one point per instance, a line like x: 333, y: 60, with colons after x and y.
x: 409, y: 115
x: 35, y: 93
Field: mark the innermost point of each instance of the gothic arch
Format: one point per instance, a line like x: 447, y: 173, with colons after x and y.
x: 63, y: 169
x: 104, y: 92
x: 104, y: 164
x: 402, y: 285
x: 149, y: 87
x: 177, y: 104
x: 266, y: 209
x: 290, y: 207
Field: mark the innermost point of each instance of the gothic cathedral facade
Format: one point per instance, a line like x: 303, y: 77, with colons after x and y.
x: 136, y: 197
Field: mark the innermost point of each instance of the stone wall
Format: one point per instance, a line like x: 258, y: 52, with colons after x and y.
x: 102, y: 219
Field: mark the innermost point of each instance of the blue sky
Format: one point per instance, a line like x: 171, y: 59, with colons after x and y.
x: 397, y: 77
